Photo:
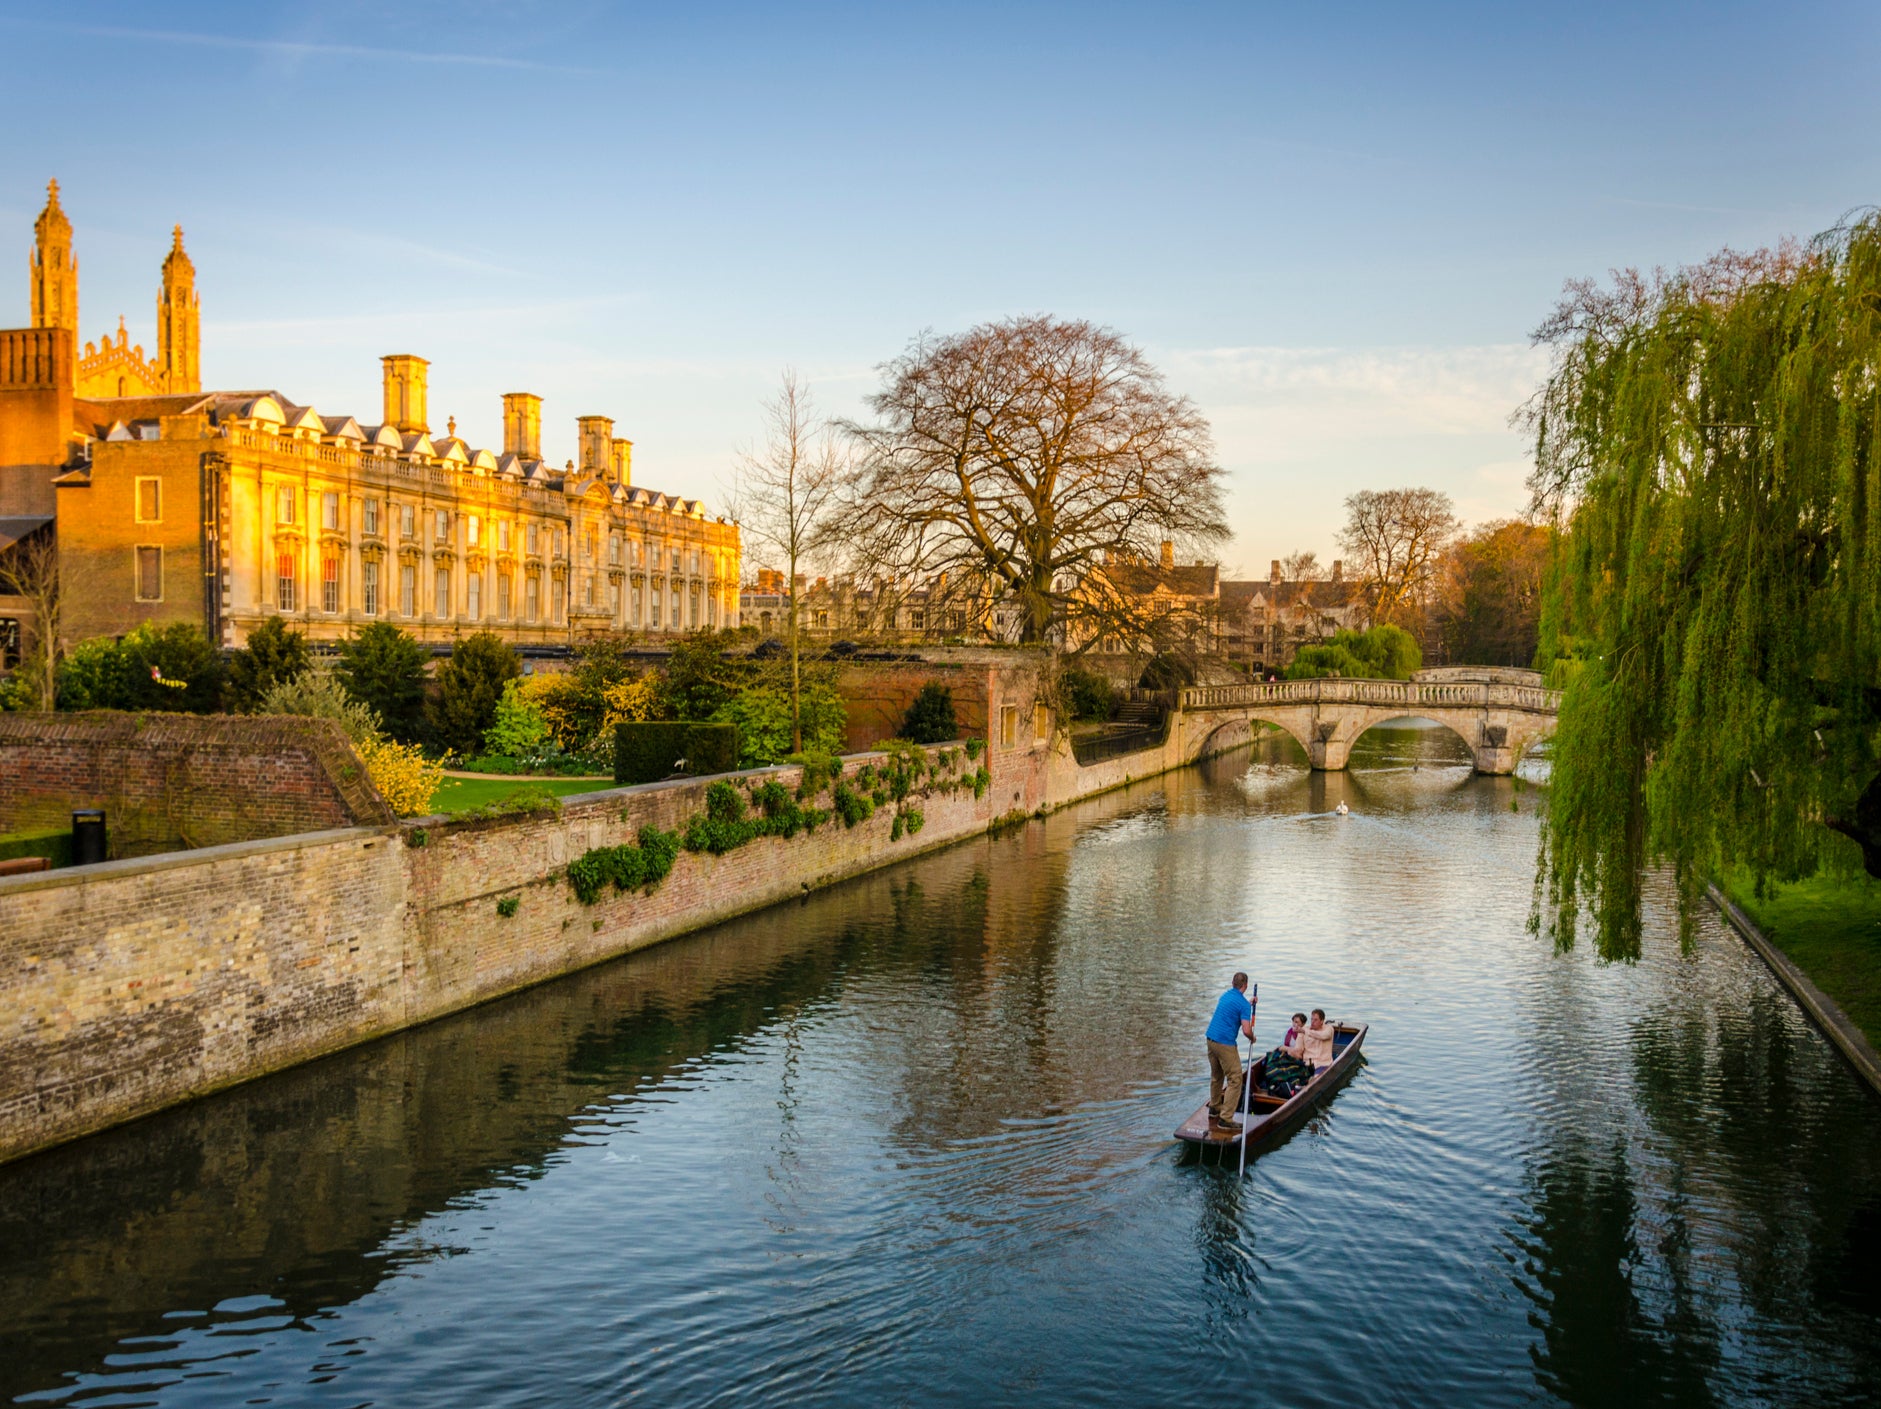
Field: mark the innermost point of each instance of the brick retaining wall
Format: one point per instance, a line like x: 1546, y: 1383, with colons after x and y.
x: 169, y: 781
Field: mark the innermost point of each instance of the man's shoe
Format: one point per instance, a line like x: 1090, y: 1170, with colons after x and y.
x: 1232, y: 1127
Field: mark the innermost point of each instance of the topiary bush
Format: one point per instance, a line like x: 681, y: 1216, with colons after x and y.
x: 930, y: 718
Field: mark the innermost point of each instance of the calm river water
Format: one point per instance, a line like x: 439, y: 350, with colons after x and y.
x: 907, y: 1142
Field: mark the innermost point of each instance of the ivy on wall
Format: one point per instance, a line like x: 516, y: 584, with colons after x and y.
x: 735, y: 814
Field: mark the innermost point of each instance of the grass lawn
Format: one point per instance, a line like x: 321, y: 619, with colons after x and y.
x: 461, y: 794
x: 1832, y: 929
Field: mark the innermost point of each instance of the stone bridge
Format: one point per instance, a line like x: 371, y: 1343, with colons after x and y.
x: 1498, y: 720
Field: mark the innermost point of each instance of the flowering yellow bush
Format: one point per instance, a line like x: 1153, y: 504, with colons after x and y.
x: 559, y: 699
x: 630, y: 702
x: 405, y: 778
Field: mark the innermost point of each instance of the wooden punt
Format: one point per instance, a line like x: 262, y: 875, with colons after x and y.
x: 1269, y: 1117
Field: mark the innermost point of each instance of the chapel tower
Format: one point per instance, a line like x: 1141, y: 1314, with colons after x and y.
x: 54, y: 269
x: 179, y: 322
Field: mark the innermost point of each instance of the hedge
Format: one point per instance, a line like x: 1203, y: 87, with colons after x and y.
x: 54, y: 845
x: 645, y: 752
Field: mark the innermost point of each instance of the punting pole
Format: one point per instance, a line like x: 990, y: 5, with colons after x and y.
x: 1247, y: 1076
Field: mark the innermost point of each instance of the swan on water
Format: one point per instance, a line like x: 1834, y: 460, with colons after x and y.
x: 1342, y: 809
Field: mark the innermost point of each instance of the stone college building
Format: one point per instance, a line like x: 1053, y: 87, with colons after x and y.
x: 170, y: 503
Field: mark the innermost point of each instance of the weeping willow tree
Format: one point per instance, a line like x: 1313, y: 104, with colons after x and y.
x: 1708, y: 438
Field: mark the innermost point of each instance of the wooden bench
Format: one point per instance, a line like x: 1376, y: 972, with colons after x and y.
x: 22, y: 865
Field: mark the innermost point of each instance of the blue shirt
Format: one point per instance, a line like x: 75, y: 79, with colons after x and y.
x: 1231, y: 1010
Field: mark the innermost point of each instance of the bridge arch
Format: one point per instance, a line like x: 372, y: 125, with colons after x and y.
x: 1496, y: 720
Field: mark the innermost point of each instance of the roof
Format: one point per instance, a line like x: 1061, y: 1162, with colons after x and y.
x: 18, y: 526
x: 1144, y: 579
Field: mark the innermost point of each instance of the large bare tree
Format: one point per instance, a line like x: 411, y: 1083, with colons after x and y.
x: 1395, y: 537
x: 1023, y: 458
x: 784, y: 491
x: 29, y: 570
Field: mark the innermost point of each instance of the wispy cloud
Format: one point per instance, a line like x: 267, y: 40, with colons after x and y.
x: 298, y: 48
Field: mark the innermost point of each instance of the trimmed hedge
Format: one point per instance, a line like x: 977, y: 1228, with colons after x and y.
x: 55, y: 846
x: 645, y: 752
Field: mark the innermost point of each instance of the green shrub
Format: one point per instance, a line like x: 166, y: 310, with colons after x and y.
x: 171, y: 669
x: 384, y: 669
x: 912, y: 820
x: 318, y: 694
x: 850, y: 805
x: 519, y: 728
x: 53, y: 844
x: 975, y: 747
x: 272, y: 656
x: 508, y: 905
x: 647, y: 751
x: 819, y: 769
x: 982, y: 780
x: 624, y: 867
x: 470, y: 682
x: 1087, y: 695
x: 930, y: 718
x: 1384, y: 652
x: 711, y: 748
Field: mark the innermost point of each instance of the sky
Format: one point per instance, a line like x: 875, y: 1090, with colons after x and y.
x: 1332, y: 226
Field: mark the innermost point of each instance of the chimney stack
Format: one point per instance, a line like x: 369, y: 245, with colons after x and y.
x: 405, y: 377
x: 597, y: 444
x: 1169, y: 555
x: 1338, y: 570
x: 623, y: 463
x: 522, y: 425
x: 1276, y: 572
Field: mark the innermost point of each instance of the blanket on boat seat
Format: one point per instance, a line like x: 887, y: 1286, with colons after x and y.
x: 1284, y: 1075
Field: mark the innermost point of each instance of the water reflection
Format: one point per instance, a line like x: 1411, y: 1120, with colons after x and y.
x: 908, y: 1140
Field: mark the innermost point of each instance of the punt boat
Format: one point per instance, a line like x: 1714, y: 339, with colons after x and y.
x: 1269, y: 1117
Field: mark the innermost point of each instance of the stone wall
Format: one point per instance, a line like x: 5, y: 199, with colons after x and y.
x: 136, y: 984
x: 175, y: 781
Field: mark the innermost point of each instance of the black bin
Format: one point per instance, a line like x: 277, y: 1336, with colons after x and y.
x: 88, y: 836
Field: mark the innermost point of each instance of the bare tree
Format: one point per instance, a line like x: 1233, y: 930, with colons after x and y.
x: 29, y: 570
x: 1300, y: 566
x: 1023, y: 459
x: 782, y: 497
x: 1396, y: 537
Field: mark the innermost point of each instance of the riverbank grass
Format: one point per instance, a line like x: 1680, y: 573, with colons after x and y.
x: 1831, y: 928
x: 455, y: 795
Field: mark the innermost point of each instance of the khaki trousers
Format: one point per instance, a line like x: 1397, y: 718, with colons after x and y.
x: 1224, y: 1079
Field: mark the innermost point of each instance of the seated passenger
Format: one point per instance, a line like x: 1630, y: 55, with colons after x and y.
x: 1317, y: 1042
x: 1290, y: 1044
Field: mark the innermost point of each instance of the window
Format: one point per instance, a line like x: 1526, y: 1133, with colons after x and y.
x: 473, y: 531
x: 329, y: 584
x: 284, y: 582
x: 592, y: 545
x: 588, y: 592
x: 676, y: 560
x: 613, y: 599
x: 407, y: 524
x: 558, y: 543
x: 407, y: 590
x: 1008, y: 726
x: 613, y: 550
x: 502, y: 536
x: 473, y: 597
x: 369, y: 587
x: 532, y: 597
x: 653, y: 620
x: 636, y: 604
x: 370, y: 509
x: 529, y: 537
x: 556, y: 594
x: 9, y: 642
x: 502, y: 596
x: 284, y: 505
x: 441, y: 604
x: 150, y: 574
x: 149, y: 500
x: 330, y: 511
x: 1041, y: 723
x: 443, y: 526
x: 822, y: 620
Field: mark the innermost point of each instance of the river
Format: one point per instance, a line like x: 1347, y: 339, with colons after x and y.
x: 907, y: 1141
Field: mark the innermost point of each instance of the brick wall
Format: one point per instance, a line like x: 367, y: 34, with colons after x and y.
x: 170, y: 781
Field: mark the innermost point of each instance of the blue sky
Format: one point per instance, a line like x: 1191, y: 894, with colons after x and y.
x: 1333, y: 226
